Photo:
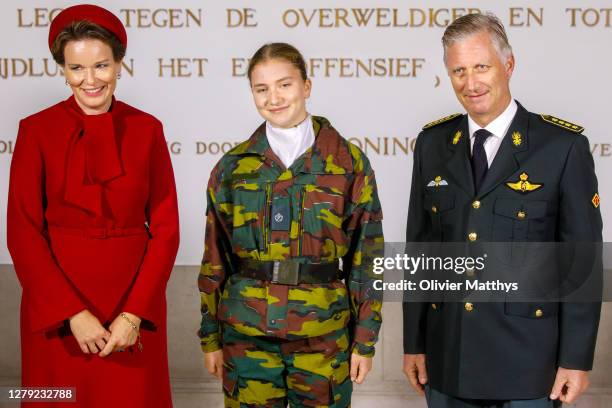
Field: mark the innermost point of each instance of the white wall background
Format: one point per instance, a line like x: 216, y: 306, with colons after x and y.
x: 563, y: 68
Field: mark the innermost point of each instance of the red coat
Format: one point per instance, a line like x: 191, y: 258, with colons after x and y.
x: 81, y: 190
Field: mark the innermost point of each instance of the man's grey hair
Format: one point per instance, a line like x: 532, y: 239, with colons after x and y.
x: 470, y: 24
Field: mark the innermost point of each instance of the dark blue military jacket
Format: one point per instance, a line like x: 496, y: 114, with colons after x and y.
x: 503, y: 350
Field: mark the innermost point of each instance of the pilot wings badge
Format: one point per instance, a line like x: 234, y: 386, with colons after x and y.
x: 523, y: 185
x: 437, y: 182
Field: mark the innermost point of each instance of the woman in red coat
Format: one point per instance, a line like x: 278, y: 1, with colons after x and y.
x: 93, y: 229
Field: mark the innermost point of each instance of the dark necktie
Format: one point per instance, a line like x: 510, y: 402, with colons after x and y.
x: 479, y: 157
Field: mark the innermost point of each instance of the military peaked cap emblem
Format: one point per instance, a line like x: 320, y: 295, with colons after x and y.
x: 572, y: 127
x: 523, y: 185
x: 441, y: 120
x: 595, y: 200
x: 437, y: 182
x: 517, y: 139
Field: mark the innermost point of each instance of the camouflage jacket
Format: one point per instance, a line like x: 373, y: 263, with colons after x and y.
x: 330, y: 194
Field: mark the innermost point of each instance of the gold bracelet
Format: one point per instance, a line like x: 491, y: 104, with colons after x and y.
x: 131, y: 323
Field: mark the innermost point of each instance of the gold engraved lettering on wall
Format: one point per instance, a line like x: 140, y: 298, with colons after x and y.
x: 214, y: 148
x: 240, y: 67
x: 241, y: 18
x: 366, y: 67
x: 138, y: 18
x: 6, y: 146
x: 128, y: 66
x: 589, y: 17
x: 385, y: 146
x: 37, y: 17
x: 373, y: 17
x: 340, y: 67
x: 525, y: 16
x: 601, y: 149
x: 43, y: 67
x: 181, y: 67
x: 175, y: 148
x: 161, y: 18
x: 28, y: 67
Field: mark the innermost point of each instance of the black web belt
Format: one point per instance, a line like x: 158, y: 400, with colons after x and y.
x: 290, y: 272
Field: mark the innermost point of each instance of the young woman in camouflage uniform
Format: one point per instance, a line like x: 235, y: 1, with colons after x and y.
x: 282, y: 321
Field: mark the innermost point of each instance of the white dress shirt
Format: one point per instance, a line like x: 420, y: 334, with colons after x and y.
x: 498, y: 128
x: 289, y: 144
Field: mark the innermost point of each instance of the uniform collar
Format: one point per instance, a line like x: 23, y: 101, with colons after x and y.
x: 510, y: 154
x: 258, y: 144
x: 506, y: 159
x: 290, y: 143
x: 328, y: 151
x: 499, y: 126
x: 294, y: 133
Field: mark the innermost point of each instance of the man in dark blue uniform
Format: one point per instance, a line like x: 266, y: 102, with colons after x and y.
x: 499, y: 174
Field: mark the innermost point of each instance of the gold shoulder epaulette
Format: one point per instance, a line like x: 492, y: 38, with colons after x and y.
x: 441, y: 120
x: 572, y: 127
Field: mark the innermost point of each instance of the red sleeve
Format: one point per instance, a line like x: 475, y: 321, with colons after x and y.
x: 144, y: 299
x: 51, y: 298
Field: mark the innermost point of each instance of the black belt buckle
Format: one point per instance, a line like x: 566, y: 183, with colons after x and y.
x: 286, y: 272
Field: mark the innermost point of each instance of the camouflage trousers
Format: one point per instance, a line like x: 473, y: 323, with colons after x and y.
x: 271, y: 372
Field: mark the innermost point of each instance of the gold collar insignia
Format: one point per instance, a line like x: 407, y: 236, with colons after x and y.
x: 517, y: 139
x: 457, y: 137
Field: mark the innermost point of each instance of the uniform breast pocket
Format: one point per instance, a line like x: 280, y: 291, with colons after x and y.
x: 321, y: 216
x: 439, y: 207
x: 520, y: 220
x: 531, y: 310
x: 249, y: 211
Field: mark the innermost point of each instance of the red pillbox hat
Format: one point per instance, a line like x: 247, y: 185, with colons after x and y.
x: 91, y: 13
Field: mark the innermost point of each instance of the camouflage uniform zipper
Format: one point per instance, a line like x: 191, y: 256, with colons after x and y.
x: 266, y: 226
x: 301, y: 222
